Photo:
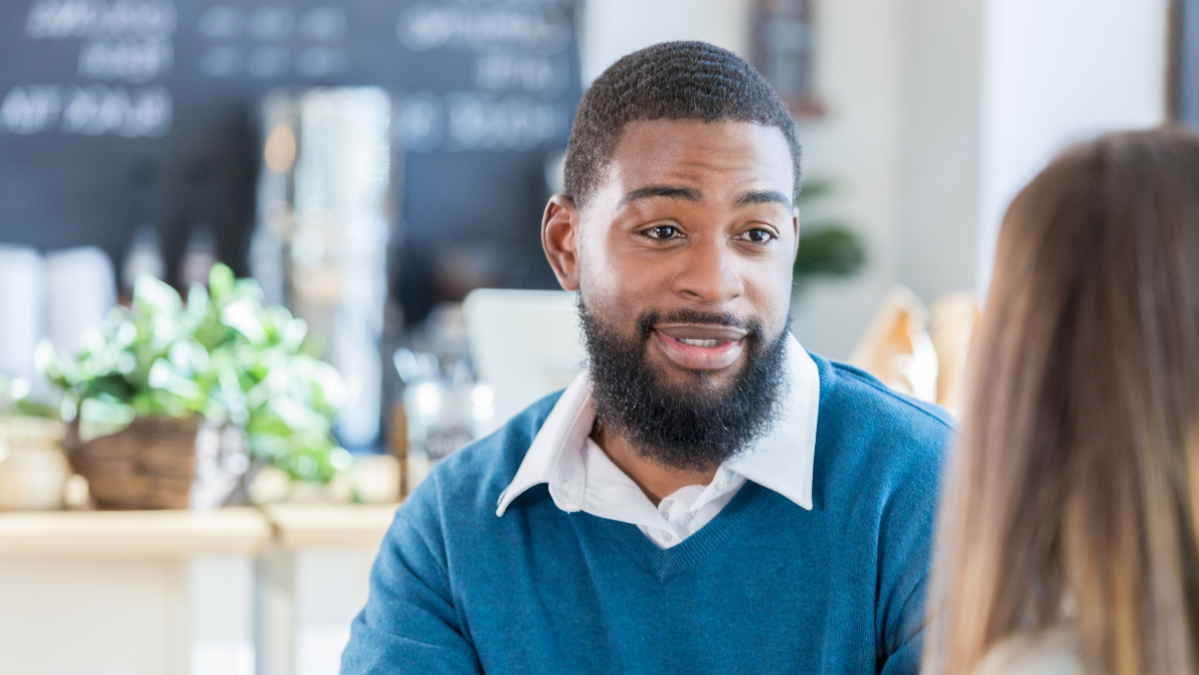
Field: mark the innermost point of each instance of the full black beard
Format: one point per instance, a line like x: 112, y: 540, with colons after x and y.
x: 693, y: 427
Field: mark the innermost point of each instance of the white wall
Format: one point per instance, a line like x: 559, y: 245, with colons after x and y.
x: 939, y: 166
x: 857, y: 145
x: 613, y: 28
x: 1056, y: 71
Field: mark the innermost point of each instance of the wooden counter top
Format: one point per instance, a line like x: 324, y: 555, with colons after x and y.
x: 134, y: 534
x: 178, y: 534
x: 320, y: 525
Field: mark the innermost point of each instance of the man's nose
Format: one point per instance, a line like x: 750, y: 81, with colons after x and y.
x: 708, y: 273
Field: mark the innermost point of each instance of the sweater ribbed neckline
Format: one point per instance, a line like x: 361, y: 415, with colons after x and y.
x: 667, y: 564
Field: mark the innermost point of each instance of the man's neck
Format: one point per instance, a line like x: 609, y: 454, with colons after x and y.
x: 655, y: 480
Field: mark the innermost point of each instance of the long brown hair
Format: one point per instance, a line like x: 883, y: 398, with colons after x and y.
x: 1074, y: 494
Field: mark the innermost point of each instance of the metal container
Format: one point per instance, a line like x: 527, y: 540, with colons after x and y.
x: 320, y: 246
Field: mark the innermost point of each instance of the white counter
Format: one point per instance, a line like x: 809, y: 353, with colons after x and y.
x: 232, y: 591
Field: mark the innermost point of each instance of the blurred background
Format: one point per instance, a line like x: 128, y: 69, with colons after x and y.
x: 263, y: 261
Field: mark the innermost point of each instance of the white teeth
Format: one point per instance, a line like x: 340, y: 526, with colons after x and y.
x: 700, y: 343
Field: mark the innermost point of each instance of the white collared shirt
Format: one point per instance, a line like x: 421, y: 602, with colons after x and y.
x: 581, y: 476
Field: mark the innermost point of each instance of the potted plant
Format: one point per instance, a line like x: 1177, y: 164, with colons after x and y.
x: 827, y: 248
x: 163, y: 390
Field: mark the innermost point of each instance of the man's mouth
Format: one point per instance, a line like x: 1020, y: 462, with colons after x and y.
x: 700, y: 346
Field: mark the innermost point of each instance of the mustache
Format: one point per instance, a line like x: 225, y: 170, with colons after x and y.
x: 693, y: 426
x: 647, y: 321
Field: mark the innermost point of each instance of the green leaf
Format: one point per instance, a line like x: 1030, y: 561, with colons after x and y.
x: 813, y: 189
x: 832, y: 251
x: 220, y: 281
x: 242, y: 317
x: 154, y: 297
x: 34, y: 409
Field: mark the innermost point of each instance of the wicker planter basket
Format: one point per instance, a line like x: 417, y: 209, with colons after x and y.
x: 151, y: 464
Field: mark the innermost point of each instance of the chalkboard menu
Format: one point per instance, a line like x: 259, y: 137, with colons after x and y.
x: 116, y: 113
x: 1185, y: 62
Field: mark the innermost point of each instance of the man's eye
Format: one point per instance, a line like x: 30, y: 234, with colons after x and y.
x: 662, y: 232
x: 757, y: 235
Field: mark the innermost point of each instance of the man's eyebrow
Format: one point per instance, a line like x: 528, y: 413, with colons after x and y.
x: 668, y: 191
x: 764, y: 197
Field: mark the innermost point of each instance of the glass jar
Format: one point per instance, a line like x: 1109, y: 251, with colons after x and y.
x: 33, y: 467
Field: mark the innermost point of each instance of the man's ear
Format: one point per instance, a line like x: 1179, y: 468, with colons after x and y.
x: 795, y: 229
x: 560, y: 239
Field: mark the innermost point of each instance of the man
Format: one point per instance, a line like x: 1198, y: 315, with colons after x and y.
x: 707, y: 497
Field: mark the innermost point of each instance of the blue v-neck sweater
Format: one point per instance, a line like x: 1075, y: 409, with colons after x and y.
x: 765, y: 587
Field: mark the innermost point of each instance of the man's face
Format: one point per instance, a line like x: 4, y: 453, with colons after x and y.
x: 683, y: 261
x: 694, y: 217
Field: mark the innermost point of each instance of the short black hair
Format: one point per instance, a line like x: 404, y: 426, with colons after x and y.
x: 672, y: 80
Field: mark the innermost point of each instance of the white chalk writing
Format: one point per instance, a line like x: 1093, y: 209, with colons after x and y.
x: 475, y: 121
x: 130, y: 60
x: 94, y: 19
x: 424, y: 26
x: 91, y: 110
x: 530, y: 73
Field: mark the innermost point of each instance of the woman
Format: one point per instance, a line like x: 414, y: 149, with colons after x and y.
x: 1069, y: 535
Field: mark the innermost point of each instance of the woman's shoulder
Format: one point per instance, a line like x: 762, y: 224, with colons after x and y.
x: 1050, y: 652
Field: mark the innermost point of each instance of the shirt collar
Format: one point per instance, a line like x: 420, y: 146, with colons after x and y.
x: 781, y: 461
